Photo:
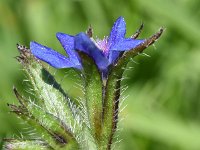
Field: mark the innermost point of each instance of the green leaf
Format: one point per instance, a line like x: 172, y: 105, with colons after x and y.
x: 48, y: 93
x: 51, y: 129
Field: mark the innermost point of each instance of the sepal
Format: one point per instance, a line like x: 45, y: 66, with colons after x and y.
x: 113, y: 87
x: 94, y: 90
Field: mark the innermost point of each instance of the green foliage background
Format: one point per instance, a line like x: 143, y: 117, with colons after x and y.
x: 163, y: 106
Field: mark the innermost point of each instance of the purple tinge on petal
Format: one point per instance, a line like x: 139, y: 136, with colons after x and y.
x: 103, y: 45
x: 84, y: 44
x: 50, y: 56
x: 126, y: 44
x: 67, y: 41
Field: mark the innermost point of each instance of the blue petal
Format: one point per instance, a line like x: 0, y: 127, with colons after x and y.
x: 113, y: 55
x: 126, y: 44
x: 67, y: 42
x: 118, y: 31
x: 117, y: 34
x: 84, y: 44
x: 50, y: 56
x: 123, y: 45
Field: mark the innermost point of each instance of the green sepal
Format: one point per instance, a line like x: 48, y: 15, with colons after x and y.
x: 110, y: 113
x: 121, y: 64
x: 94, y: 96
x: 112, y: 90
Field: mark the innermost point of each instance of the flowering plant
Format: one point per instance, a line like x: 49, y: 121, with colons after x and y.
x: 61, y: 121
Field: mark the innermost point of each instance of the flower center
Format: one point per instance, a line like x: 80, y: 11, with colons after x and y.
x: 103, y: 45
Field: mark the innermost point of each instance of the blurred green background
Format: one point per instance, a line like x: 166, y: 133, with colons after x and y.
x: 163, y: 104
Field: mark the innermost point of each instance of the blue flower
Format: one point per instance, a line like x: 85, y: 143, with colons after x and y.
x: 54, y: 58
x: 104, y: 52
